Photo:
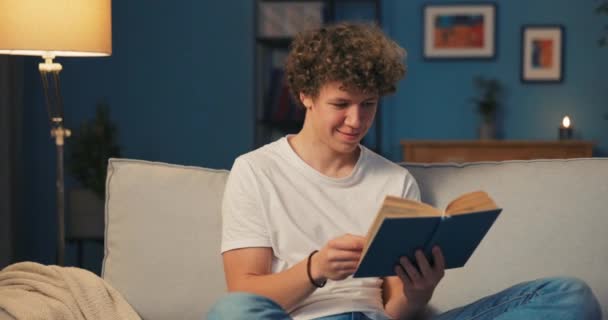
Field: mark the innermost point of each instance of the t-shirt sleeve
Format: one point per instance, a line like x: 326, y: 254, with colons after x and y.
x: 410, y: 188
x: 243, y: 222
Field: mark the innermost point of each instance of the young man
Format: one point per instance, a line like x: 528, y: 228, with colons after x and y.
x: 295, y: 210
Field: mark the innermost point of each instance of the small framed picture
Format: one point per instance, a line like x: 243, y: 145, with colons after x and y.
x: 542, y: 51
x: 459, y: 31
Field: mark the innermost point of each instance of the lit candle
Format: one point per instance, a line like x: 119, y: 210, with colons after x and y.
x: 565, y: 130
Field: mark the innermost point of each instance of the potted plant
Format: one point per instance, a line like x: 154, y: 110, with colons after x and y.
x: 487, y: 104
x: 93, y: 143
x: 602, y: 9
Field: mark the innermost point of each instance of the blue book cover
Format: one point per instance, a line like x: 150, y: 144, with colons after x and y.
x: 459, y: 235
x: 403, y: 226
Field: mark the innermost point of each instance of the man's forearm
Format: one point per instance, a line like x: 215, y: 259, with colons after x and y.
x: 287, y: 288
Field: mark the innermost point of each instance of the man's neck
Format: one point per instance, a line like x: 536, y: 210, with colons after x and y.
x: 321, y: 157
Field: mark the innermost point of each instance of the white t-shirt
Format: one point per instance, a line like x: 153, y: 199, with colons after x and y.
x: 275, y: 199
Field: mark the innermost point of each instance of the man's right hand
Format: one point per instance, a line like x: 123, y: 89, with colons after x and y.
x: 338, y: 259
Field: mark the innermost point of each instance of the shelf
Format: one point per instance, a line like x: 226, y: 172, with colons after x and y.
x: 493, y: 150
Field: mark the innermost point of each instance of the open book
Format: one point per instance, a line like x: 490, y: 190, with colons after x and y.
x: 402, y: 226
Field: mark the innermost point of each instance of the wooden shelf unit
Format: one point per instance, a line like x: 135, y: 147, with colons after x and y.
x: 492, y: 150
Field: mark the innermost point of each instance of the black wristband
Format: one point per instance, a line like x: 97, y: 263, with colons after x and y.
x: 308, y: 272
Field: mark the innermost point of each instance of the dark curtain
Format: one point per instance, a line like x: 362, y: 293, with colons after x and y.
x: 11, y: 110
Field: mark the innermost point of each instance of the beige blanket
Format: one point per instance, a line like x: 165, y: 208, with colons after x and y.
x: 30, y: 290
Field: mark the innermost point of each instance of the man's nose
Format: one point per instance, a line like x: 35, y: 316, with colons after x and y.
x: 353, y: 116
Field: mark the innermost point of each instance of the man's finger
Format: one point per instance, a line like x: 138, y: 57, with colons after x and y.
x: 348, y: 242
x: 345, y: 266
x: 438, y: 259
x: 343, y: 255
x: 423, y: 264
x: 403, y: 276
x: 411, y: 270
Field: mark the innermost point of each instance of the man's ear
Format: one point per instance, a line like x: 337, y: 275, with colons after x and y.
x: 306, y: 100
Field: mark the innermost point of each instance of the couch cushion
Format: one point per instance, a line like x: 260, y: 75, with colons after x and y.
x: 554, y: 223
x: 162, y: 237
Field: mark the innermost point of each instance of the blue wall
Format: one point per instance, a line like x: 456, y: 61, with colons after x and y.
x: 180, y: 83
x: 433, y: 101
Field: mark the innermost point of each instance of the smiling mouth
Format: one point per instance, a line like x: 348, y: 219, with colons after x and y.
x: 350, y: 135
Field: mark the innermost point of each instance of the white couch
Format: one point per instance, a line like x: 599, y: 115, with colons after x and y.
x: 163, y: 230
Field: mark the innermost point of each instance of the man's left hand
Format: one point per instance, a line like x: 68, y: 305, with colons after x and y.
x: 418, y: 286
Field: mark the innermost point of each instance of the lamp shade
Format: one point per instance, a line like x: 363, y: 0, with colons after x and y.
x: 56, y: 27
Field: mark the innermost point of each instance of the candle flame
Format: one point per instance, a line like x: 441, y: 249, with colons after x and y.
x: 566, y: 122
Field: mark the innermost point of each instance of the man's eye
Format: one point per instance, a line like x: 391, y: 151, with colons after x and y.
x: 370, y: 104
x: 340, y: 105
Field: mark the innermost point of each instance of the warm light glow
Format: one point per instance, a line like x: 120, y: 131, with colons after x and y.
x: 56, y: 28
x: 566, y: 122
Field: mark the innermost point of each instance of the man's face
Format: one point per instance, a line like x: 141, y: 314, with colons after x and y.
x: 341, y: 117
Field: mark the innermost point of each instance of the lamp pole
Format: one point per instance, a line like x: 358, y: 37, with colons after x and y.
x: 54, y: 107
x: 60, y: 133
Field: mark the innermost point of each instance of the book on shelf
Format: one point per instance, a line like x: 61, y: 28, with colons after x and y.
x: 280, y: 106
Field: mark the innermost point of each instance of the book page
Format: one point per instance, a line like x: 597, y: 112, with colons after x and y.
x: 470, y: 202
x: 409, y: 208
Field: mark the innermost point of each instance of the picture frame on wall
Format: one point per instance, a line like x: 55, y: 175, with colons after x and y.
x: 542, y: 53
x: 459, y: 31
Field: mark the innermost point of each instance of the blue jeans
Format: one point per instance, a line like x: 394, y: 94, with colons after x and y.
x: 551, y: 298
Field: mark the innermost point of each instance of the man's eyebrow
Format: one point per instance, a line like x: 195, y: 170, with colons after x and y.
x: 341, y: 99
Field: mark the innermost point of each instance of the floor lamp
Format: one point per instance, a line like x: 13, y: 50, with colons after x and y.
x: 54, y: 28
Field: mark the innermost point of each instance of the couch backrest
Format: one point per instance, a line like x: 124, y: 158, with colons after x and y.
x: 554, y: 222
x: 162, y: 237
x: 163, y: 230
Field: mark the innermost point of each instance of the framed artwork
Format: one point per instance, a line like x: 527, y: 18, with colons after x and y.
x: 542, y: 51
x: 459, y: 31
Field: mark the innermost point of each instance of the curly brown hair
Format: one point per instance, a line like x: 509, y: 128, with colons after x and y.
x: 359, y: 55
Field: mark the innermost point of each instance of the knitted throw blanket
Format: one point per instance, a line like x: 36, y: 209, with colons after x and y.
x: 30, y: 290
